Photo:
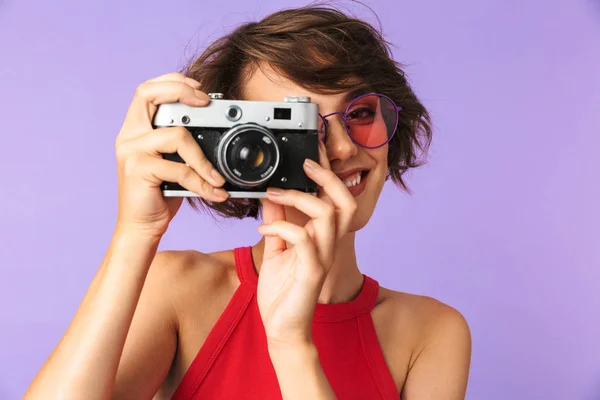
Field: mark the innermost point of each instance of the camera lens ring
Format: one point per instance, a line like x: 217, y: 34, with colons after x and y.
x: 233, y: 113
x: 223, y: 148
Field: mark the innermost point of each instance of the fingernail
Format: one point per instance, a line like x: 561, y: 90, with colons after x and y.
x: 220, y: 193
x: 200, y: 101
x: 192, y: 82
x: 217, y: 176
x: 201, y: 95
x: 310, y: 164
x: 274, y: 191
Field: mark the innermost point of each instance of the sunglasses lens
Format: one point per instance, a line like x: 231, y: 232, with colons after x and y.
x: 371, y: 120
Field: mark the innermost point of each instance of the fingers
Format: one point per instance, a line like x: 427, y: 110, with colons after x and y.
x: 178, y: 139
x: 308, y: 204
x: 303, y: 244
x: 156, y: 170
x: 323, y: 162
x: 177, y: 77
x: 271, y: 213
x: 197, y: 174
x: 322, y: 216
x: 149, y: 95
x: 323, y: 159
x: 335, y: 189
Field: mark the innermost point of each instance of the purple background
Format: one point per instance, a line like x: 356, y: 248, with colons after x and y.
x: 503, y: 223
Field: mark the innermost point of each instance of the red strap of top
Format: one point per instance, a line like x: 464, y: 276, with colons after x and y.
x: 213, y: 344
x: 362, y: 304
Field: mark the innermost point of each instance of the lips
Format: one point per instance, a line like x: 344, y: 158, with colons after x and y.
x: 355, y: 180
x: 349, y: 172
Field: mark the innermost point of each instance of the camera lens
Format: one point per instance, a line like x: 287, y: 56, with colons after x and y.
x: 248, y: 155
x: 185, y: 119
x: 253, y: 156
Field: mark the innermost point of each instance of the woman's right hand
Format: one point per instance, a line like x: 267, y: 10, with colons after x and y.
x: 141, y: 167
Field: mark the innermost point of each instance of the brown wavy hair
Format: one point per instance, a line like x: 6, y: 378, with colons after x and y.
x: 326, y: 51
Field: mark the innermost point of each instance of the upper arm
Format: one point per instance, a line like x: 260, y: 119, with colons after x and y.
x: 441, y: 368
x: 152, y: 338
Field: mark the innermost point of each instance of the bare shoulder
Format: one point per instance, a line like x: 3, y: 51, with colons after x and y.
x: 191, y: 277
x: 425, y: 318
x: 188, y: 267
x: 436, y: 342
x: 186, y: 264
x: 424, y: 313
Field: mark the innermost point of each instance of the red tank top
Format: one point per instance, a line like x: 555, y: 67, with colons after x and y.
x: 234, y: 363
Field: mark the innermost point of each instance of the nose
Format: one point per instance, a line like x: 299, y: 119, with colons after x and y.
x: 339, y: 145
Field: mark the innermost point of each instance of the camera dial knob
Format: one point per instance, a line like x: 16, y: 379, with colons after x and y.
x: 296, y: 99
x: 216, y: 96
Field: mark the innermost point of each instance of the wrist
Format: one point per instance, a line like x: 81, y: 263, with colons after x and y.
x: 131, y: 250
x: 125, y: 236
x: 299, y: 371
x: 290, y: 351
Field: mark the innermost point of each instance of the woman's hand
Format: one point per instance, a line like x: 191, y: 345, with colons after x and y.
x: 141, y: 167
x: 291, y: 278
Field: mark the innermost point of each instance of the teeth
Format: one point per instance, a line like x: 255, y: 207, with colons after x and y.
x: 352, y: 181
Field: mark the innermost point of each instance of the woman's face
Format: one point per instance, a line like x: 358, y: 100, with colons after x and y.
x: 347, y: 159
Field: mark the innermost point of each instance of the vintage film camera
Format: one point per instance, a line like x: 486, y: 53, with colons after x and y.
x: 253, y: 144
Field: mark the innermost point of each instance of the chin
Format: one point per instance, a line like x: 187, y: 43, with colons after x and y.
x: 362, y: 217
x: 358, y: 223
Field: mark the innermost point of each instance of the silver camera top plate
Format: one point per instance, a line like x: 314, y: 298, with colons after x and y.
x: 218, y: 114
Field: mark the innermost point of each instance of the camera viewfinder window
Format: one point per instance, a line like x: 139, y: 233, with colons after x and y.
x: 283, y: 113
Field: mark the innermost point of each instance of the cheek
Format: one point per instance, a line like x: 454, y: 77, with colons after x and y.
x: 380, y: 156
x: 378, y: 173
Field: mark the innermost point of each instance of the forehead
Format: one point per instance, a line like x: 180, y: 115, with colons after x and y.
x: 266, y: 84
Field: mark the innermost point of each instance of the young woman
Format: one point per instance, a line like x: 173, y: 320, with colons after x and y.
x: 292, y: 316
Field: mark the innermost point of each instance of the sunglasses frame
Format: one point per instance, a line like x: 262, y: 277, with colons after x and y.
x: 344, y: 115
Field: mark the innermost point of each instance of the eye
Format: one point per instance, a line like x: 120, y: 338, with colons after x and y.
x: 360, y: 115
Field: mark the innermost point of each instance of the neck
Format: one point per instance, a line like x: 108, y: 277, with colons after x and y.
x: 344, y: 280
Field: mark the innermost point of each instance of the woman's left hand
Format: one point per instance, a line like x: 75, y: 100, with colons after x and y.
x: 291, y: 278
